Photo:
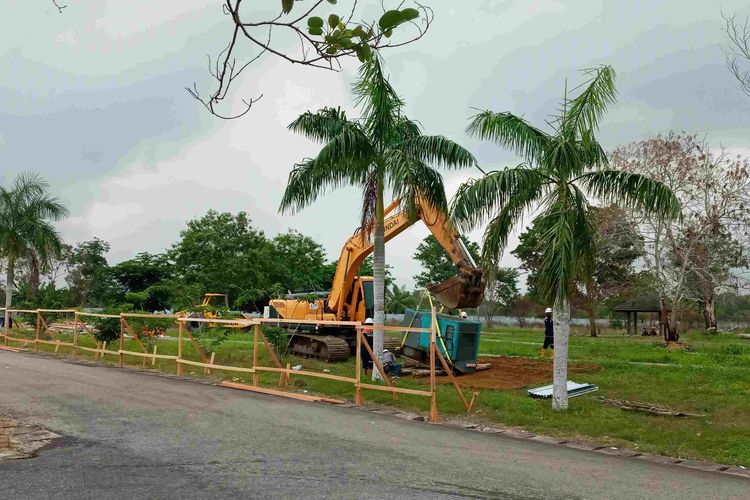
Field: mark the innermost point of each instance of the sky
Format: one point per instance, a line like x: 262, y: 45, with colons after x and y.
x: 94, y: 100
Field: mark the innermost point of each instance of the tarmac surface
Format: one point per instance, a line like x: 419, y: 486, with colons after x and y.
x: 134, y: 435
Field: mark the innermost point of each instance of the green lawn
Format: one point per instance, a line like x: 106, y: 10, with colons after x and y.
x: 713, y: 378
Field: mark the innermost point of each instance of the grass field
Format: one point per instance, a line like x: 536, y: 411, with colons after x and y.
x: 712, y: 378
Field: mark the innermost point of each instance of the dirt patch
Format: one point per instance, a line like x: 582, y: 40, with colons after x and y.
x: 509, y: 372
x: 20, y: 440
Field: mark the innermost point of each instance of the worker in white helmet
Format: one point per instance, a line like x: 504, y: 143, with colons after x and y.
x: 549, y: 335
x: 464, y: 315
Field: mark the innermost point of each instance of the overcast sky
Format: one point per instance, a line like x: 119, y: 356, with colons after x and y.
x: 94, y: 100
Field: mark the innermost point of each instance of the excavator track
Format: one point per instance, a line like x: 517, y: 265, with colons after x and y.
x: 323, y: 347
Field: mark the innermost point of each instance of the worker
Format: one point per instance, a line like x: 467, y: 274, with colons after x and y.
x: 549, y: 334
x: 388, y: 362
x: 366, y: 358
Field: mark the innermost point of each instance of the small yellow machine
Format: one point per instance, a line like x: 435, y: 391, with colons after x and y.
x: 209, y: 300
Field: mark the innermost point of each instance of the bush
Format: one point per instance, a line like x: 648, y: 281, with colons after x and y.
x: 106, y: 329
x: 210, y: 338
x: 276, y: 336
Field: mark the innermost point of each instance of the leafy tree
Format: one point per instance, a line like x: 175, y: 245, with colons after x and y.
x: 560, y: 169
x: 142, y: 281
x: 437, y: 266
x: 399, y: 299
x: 88, y: 273
x: 222, y: 253
x: 26, y: 212
x: 501, y: 292
x: 383, y: 149
x: 298, y: 263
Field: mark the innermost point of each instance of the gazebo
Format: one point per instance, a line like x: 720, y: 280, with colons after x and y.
x: 640, y: 303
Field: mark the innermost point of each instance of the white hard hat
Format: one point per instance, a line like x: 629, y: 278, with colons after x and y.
x: 548, y: 310
x: 368, y: 321
x: 385, y: 350
x: 463, y: 314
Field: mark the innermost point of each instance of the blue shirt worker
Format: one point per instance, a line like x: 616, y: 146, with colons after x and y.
x: 549, y: 335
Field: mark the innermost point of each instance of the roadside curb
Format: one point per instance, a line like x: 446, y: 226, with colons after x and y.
x: 520, y: 434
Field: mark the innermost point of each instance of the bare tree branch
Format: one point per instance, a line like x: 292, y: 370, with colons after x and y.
x: 59, y: 7
x: 737, y: 53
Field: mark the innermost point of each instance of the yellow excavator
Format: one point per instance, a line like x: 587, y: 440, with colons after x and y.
x: 352, y: 296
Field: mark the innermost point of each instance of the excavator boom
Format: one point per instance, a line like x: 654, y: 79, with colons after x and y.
x: 463, y: 291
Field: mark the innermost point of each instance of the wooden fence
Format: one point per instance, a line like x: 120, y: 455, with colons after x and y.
x: 256, y: 368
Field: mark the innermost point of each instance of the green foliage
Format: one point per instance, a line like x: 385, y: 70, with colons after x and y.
x: 88, y: 273
x: 141, y: 281
x: 209, y: 339
x: 399, y: 299
x: 276, y: 336
x: 437, y: 265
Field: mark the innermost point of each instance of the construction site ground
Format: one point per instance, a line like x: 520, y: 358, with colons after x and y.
x: 709, y: 376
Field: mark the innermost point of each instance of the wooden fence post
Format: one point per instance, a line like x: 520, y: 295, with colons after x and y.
x: 433, y: 385
x: 153, y: 360
x: 179, y: 347
x: 357, y: 388
x: 122, y: 341
x: 256, y: 375
x: 76, y: 318
x: 36, y: 334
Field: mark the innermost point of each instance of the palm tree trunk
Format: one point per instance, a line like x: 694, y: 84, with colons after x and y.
x: 560, y: 371
x: 33, y: 277
x: 378, y: 268
x: 9, y: 289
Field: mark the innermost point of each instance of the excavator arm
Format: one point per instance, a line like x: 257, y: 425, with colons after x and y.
x: 466, y: 290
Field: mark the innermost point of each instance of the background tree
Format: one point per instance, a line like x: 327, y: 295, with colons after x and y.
x: 501, y: 293
x: 142, y: 281
x: 436, y: 265
x: 88, y: 273
x: 222, y: 253
x: 737, y: 49
x: 314, y: 33
x: 398, y: 299
x: 692, y: 257
x: 381, y: 150
x: 560, y: 170
x: 26, y: 214
x: 299, y: 263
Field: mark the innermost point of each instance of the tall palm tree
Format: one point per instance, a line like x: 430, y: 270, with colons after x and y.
x: 562, y: 168
x: 381, y: 150
x: 26, y: 212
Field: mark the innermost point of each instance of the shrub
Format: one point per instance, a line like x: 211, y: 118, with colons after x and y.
x: 276, y: 336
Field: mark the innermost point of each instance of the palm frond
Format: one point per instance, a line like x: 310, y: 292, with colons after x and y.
x: 324, y: 125
x: 584, y: 112
x: 412, y: 179
x: 309, y: 179
x: 500, y: 228
x: 351, y: 145
x: 631, y: 190
x: 510, y: 131
x: 436, y: 149
x: 381, y: 105
x: 479, y: 199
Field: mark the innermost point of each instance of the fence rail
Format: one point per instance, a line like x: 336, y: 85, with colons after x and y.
x: 208, y: 364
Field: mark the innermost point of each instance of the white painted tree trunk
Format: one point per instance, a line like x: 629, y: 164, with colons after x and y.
x: 560, y: 372
x: 378, y: 271
x: 9, y: 289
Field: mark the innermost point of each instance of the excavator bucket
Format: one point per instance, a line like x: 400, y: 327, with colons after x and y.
x: 460, y: 292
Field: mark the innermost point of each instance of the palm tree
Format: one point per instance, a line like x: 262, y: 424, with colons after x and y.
x: 383, y: 149
x: 26, y: 209
x: 399, y: 299
x: 561, y: 169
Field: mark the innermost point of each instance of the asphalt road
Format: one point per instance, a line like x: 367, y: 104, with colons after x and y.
x: 134, y: 435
